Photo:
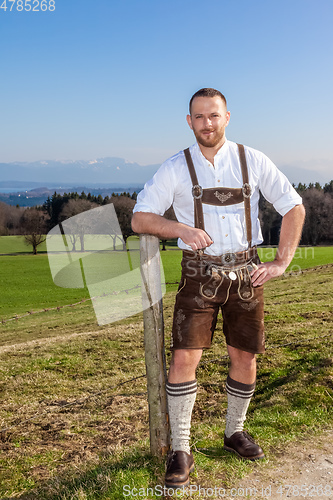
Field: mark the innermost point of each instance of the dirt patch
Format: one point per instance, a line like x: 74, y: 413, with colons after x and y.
x: 303, y: 469
x: 30, y: 344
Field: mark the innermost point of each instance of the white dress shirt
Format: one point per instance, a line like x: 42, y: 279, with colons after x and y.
x: 171, y: 185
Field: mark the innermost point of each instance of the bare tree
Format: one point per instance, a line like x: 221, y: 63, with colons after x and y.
x: 270, y: 221
x: 3, y: 219
x: 123, y: 206
x: 111, y: 228
x: 33, y: 223
x: 70, y: 209
x: 319, y: 216
x: 10, y: 219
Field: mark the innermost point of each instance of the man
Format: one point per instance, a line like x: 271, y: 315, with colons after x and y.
x: 214, y: 189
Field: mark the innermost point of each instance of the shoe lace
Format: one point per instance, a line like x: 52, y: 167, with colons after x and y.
x: 250, y: 438
x: 171, y: 458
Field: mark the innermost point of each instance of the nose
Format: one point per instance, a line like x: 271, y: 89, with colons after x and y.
x: 207, y: 122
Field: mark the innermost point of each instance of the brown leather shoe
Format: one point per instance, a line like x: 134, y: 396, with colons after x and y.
x: 243, y: 445
x: 179, y: 466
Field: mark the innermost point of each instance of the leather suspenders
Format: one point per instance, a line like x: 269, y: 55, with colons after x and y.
x: 221, y: 196
x: 246, y: 189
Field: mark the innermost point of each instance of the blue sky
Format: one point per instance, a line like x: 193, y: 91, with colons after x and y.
x: 114, y: 77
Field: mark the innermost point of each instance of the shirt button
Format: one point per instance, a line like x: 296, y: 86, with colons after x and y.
x: 218, y: 180
x: 226, y: 235
x: 223, y: 217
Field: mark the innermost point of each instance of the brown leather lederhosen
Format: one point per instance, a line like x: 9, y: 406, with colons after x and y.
x: 210, y: 282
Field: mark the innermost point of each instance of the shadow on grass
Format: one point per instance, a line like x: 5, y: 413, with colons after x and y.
x: 41, y: 252
x: 136, y: 472
x: 299, y: 377
x: 111, y: 478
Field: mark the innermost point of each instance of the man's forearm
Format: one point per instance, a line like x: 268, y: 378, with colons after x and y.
x: 290, y: 235
x: 149, y: 223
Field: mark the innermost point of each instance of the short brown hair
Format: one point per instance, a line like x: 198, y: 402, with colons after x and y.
x: 207, y: 92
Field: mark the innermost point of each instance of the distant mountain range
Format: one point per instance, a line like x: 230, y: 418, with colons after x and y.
x: 102, y: 171
x: 39, y: 179
x: 30, y: 183
x: 37, y: 196
x: 105, y: 171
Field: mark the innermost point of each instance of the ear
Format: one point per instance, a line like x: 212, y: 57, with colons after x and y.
x: 228, y: 118
x: 189, y: 121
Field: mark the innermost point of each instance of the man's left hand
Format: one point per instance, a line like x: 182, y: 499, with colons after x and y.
x: 267, y: 271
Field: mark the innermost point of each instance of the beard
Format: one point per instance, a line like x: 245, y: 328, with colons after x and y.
x: 213, y: 140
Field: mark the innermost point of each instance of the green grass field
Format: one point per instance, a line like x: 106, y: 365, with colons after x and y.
x: 27, y: 285
x: 76, y: 431
x: 16, y: 244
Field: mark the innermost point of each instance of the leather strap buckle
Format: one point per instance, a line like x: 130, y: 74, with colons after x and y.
x: 197, y: 192
x: 246, y: 189
x: 228, y: 258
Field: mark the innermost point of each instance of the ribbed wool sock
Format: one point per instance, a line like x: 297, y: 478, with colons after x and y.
x: 239, y: 397
x: 181, y: 398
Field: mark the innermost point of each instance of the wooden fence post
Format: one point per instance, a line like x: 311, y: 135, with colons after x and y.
x: 154, y: 344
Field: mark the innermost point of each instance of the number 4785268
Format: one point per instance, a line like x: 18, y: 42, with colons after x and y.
x: 27, y: 5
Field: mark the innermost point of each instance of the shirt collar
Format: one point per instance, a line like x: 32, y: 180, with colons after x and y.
x: 222, y: 152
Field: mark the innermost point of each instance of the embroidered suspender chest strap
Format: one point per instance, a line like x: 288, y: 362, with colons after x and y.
x: 221, y: 196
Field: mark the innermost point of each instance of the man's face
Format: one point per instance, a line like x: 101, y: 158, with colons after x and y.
x: 208, y: 119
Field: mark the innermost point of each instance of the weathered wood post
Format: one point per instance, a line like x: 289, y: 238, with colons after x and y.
x: 154, y: 344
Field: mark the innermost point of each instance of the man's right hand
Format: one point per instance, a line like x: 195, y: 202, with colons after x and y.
x: 196, y: 238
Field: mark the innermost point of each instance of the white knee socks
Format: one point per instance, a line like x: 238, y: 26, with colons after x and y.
x: 181, y: 398
x: 239, y: 397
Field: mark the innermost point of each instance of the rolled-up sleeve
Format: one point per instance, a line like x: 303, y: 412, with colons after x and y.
x: 158, y: 193
x: 276, y: 188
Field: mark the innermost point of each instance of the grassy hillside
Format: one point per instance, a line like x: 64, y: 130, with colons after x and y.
x: 73, y: 409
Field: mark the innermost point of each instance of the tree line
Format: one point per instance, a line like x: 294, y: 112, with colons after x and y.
x: 318, y: 203
x: 35, y: 222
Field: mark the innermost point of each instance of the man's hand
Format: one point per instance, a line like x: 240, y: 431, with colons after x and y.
x: 196, y: 238
x: 267, y: 271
